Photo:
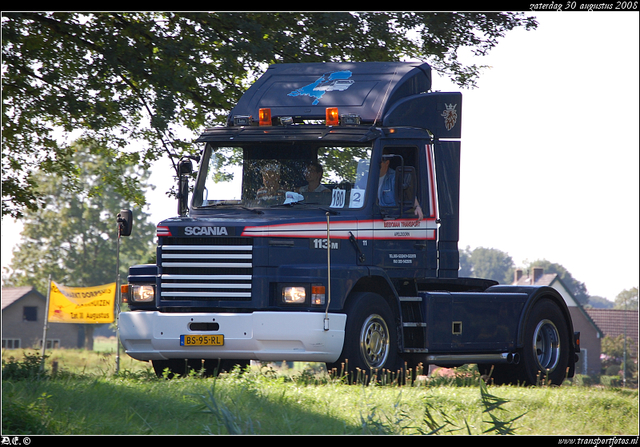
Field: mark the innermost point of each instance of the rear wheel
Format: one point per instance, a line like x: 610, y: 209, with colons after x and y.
x: 370, y: 338
x: 500, y: 374
x: 546, y: 351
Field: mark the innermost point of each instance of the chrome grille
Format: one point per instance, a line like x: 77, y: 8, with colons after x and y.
x: 204, y: 269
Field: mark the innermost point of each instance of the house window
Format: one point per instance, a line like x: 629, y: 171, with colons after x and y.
x: 51, y: 344
x: 10, y: 343
x: 30, y: 313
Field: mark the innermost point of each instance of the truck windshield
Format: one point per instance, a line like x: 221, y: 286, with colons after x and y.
x: 264, y: 176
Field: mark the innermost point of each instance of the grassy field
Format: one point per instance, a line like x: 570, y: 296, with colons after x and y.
x: 86, y: 397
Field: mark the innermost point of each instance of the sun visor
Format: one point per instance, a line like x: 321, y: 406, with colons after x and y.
x: 366, y: 89
x: 438, y: 112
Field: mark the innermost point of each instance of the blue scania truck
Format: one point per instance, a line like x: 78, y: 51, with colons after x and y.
x: 323, y: 227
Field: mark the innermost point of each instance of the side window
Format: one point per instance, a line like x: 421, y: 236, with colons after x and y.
x: 399, y: 182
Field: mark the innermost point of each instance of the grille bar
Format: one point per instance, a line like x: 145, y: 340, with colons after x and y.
x: 207, y: 247
x: 226, y: 295
x: 208, y: 256
x: 210, y: 286
x: 208, y: 264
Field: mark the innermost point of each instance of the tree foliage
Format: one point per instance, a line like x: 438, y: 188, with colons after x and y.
x: 489, y: 263
x: 73, y: 237
x: 121, y: 78
x: 614, y: 351
x: 627, y: 299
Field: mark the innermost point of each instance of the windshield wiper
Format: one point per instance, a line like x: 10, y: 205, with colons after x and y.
x: 253, y: 210
x: 329, y: 210
x: 306, y: 204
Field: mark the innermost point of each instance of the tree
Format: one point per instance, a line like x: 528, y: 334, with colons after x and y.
x: 489, y: 263
x: 73, y: 238
x: 121, y: 78
x: 614, y: 355
x: 599, y: 302
x: 627, y: 299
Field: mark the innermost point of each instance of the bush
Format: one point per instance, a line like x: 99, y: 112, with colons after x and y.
x: 31, y: 368
x: 19, y: 418
x: 611, y: 381
x: 612, y: 370
x: 582, y: 380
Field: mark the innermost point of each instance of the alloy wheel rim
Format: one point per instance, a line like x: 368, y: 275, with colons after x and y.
x: 546, y: 345
x: 374, y: 341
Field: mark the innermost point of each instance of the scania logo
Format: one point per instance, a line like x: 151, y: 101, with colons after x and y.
x: 205, y: 231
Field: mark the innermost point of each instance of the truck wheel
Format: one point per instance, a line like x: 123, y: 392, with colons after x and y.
x: 176, y: 367
x: 213, y: 367
x: 499, y: 374
x: 370, y: 336
x: 545, y: 355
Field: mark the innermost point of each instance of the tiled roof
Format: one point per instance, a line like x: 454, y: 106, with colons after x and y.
x: 13, y: 294
x: 612, y: 322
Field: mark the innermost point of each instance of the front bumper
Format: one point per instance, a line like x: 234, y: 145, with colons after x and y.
x: 264, y: 336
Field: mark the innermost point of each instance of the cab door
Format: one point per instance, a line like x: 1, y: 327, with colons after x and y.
x: 404, y: 231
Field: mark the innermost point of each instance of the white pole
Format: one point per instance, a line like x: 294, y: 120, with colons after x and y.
x: 117, y: 301
x: 46, y: 324
x: 326, y: 313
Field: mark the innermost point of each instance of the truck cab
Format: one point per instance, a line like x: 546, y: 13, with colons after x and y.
x: 323, y: 227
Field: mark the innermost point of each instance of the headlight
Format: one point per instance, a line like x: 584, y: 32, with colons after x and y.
x: 142, y: 293
x: 313, y: 294
x: 294, y: 294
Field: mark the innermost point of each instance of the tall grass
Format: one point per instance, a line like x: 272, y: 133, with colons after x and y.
x: 85, y: 399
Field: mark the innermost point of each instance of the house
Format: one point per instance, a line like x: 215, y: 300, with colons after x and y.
x: 23, y: 317
x: 590, y: 334
x: 615, y: 322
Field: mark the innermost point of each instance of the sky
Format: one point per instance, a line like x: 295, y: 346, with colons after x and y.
x: 550, y: 143
x: 550, y: 149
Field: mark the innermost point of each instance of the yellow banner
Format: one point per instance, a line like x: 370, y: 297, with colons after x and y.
x: 87, y: 305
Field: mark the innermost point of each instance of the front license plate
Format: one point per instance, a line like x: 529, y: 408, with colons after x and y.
x: 202, y: 340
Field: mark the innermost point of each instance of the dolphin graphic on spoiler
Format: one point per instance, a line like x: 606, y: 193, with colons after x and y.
x: 328, y: 82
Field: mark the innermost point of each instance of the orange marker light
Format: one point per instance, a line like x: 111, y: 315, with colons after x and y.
x: 332, y: 116
x: 317, y: 294
x: 124, y: 292
x: 264, y: 117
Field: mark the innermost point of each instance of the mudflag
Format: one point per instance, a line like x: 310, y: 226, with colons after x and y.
x: 86, y: 305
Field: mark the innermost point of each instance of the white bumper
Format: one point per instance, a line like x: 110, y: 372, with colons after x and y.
x: 266, y: 336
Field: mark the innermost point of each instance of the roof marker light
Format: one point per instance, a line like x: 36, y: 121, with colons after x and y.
x: 265, y: 117
x: 332, y: 117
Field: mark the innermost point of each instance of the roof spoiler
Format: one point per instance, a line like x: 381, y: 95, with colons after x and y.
x: 359, y: 93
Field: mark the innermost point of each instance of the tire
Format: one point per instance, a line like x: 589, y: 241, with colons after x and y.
x: 545, y: 354
x: 371, y: 340
x: 500, y: 374
x: 547, y: 346
x: 176, y: 367
x: 213, y: 367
